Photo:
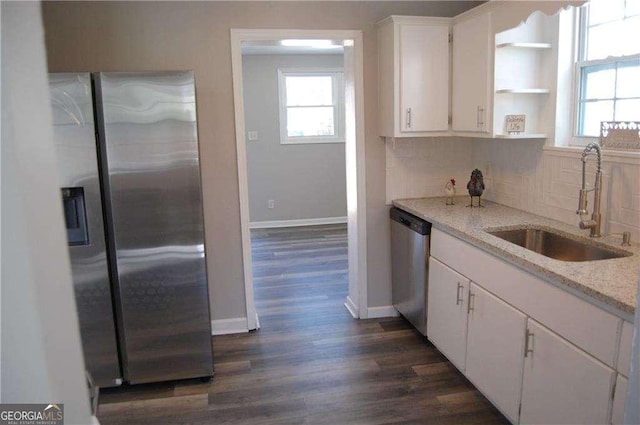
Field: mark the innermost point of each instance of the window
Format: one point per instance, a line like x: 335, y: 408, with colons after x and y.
x: 311, y: 106
x: 608, y: 67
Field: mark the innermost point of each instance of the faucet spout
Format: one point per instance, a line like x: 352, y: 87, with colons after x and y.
x: 596, y: 217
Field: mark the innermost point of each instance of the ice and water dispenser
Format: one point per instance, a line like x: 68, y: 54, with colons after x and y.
x: 75, y: 215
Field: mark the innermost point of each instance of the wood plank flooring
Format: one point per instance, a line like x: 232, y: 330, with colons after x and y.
x: 310, y: 363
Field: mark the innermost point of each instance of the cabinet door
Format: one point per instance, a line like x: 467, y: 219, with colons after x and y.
x: 619, y: 400
x: 495, y: 349
x: 561, y: 383
x: 424, y: 78
x: 471, y: 84
x: 447, y: 312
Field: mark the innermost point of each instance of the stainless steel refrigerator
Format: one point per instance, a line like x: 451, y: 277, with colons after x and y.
x: 127, y: 150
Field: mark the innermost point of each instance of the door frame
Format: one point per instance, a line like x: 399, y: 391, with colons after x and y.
x: 356, y: 301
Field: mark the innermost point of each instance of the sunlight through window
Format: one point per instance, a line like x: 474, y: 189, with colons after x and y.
x: 609, y: 64
x: 311, y: 106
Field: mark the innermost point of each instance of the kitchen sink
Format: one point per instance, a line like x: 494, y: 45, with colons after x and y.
x: 554, y: 245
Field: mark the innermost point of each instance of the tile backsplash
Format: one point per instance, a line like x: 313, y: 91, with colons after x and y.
x: 519, y: 174
x: 417, y: 168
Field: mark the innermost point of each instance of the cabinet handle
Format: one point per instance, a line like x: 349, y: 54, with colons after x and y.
x: 478, y: 116
x: 459, y: 294
x: 481, y: 123
x: 408, y: 117
x: 527, y: 350
x: 471, y: 305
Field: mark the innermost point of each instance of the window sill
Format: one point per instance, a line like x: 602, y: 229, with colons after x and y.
x: 310, y: 141
x: 607, y: 155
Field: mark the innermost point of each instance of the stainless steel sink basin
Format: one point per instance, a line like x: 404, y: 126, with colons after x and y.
x: 557, y: 246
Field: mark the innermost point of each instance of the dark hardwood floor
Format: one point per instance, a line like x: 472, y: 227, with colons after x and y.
x: 310, y: 363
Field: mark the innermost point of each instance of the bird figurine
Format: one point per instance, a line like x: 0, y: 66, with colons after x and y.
x: 475, y: 186
x: 450, y: 191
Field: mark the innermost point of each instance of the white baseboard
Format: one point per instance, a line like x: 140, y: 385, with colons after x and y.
x: 297, y: 222
x: 235, y: 325
x: 383, y: 311
x: 352, y: 307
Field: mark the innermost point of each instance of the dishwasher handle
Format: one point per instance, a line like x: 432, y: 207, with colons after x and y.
x: 404, y: 221
x: 414, y: 223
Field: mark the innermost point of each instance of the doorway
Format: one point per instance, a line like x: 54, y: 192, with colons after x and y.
x: 351, y: 42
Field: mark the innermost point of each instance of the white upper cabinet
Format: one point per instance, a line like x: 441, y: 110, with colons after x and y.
x: 413, y: 76
x: 471, y: 77
x: 504, y: 64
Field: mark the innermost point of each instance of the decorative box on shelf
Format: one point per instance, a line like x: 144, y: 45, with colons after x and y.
x: 620, y: 135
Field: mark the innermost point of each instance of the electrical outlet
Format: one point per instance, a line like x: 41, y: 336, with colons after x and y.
x: 253, y: 135
x: 271, y: 204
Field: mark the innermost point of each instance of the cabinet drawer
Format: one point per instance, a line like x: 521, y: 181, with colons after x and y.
x: 585, y: 325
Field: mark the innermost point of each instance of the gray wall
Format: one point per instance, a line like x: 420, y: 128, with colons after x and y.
x: 41, y: 355
x: 306, y: 180
x: 136, y: 36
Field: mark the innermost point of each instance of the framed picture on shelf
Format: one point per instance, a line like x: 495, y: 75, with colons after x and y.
x: 514, y: 124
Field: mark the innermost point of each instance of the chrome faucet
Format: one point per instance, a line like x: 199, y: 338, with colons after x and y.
x: 596, y: 217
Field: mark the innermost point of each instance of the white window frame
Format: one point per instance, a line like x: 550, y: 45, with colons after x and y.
x: 337, y: 78
x: 580, y: 64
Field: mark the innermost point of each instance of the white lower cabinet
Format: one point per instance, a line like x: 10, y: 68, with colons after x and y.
x: 539, y: 354
x: 562, y: 384
x: 619, y: 400
x: 495, y: 348
x: 447, y: 312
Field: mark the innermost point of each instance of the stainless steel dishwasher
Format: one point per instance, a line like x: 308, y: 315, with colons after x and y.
x: 410, y: 266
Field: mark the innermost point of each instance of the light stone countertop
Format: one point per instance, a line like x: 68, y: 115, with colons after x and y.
x: 610, y: 283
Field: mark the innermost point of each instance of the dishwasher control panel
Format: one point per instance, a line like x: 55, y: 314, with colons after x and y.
x: 416, y: 224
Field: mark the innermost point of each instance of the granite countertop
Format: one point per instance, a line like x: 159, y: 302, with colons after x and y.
x: 612, y: 282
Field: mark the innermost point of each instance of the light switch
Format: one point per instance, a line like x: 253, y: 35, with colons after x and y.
x: 253, y: 135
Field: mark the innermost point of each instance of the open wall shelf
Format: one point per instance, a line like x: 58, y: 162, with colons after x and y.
x: 524, y: 45
x: 521, y: 136
x: 523, y: 76
x: 523, y: 91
